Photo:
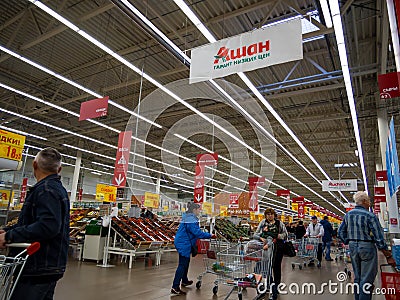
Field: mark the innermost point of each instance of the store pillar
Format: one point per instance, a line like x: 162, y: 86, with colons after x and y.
x: 75, y: 178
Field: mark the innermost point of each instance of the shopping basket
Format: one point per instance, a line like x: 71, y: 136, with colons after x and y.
x: 11, y: 268
x: 390, y: 280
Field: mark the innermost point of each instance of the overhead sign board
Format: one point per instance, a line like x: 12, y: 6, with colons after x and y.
x: 11, y: 145
x: 122, y: 159
x: 339, y: 185
x: 389, y: 85
x: 249, y: 51
x: 94, y: 109
x: 151, y: 200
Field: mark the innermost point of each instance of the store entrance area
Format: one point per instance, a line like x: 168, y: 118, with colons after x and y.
x: 86, y: 281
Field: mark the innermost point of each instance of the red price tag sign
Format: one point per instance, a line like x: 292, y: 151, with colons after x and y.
x: 11, y: 145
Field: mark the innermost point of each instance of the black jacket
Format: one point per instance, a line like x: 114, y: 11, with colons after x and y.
x: 300, y: 231
x: 44, y: 218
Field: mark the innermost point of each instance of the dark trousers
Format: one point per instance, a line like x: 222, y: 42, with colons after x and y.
x: 277, y: 266
x: 181, y: 271
x: 34, y: 291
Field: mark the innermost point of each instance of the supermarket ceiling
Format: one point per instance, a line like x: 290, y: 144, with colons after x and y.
x: 48, y: 69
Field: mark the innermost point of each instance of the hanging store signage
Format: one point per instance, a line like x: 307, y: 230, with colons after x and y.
x: 122, y: 159
x: 6, y: 197
x: 381, y: 175
x: 106, y: 193
x: 254, y: 182
x: 339, y: 185
x: 379, y: 190
x: 11, y: 145
x: 249, y: 51
x: 234, y: 201
x: 151, y: 200
x: 379, y: 198
x: 23, y: 190
x: 283, y: 193
x: 202, y: 160
x: 94, y: 109
x: 207, y: 208
x: 389, y: 85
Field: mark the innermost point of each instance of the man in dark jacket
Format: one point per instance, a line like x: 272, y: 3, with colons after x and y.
x: 327, y: 238
x: 300, y: 230
x: 44, y: 218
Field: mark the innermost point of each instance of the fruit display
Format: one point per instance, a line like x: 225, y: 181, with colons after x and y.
x: 81, y: 215
x: 230, y: 231
x: 140, y: 230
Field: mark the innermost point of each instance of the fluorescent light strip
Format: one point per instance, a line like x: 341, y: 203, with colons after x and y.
x: 57, y: 128
x: 326, y: 13
x: 77, y: 85
x: 156, y: 30
x: 338, y: 27
x: 22, y: 132
x: 182, y: 5
x: 156, y: 83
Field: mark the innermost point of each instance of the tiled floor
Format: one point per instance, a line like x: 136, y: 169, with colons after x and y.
x: 84, y: 280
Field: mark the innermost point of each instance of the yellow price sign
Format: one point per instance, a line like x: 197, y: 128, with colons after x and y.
x: 207, y: 208
x: 106, y: 192
x: 11, y: 145
x: 151, y: 200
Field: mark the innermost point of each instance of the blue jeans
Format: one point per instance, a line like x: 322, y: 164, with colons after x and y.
x: 34, y: 291
x: 327, y: 245
x: 364, y: 259
x: 181, y: 271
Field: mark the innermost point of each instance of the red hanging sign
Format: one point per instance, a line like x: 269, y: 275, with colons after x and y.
x: 94, y: 109
x: 234, y: 201
x: 300, y: 209
x: 122, y: 159
x: 283, y: 193
x: 23, y: 190
x: 381, y: 175
x: 379, y: 198
x: 388, y: 85
x: 379, y: 191
x: 254, y: 182
x: 298, y: 199
x: 202, y: 160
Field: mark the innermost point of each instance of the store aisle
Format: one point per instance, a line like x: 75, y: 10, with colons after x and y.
x: 86, y: 281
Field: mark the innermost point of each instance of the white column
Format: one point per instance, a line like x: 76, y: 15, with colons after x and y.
x: 158, y: 183
x: 391, y: 202
x: 75, y: 178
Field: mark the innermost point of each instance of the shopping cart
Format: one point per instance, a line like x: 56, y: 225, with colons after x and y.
x: 241, y: 267
x: 339, y: 251
x: 347, y: 260
x: 211, y: 248
x: 11, y: 268
x: 307, y: 250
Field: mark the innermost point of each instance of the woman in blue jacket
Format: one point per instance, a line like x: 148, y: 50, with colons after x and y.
x: 187, y: 235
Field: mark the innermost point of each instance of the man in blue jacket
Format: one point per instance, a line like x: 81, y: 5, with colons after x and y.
x: 44, y: 218
x: 187, y: 235
x: 327, y: 238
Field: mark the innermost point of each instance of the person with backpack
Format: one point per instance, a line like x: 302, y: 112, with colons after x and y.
x: 272, y: 230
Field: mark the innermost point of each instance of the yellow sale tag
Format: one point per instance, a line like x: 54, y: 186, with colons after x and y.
x: 11, y: 145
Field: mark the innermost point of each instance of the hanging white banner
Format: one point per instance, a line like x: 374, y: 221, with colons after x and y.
x: 249, y: 51
x: 339, y: 185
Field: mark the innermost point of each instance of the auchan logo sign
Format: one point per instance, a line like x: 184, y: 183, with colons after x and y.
x: 339, y: 185
x: 249, y: 51
x: 241, y: 55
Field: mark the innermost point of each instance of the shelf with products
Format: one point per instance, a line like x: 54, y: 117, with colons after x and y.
x: 227, y: 229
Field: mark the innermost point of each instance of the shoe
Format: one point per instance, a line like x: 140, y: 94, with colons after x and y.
x: 329, y: 259
x: 311, y: 263
x: 177, y: 291
x: 190, y: 282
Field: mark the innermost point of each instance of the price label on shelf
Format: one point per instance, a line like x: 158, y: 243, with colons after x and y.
x: 11, y: 145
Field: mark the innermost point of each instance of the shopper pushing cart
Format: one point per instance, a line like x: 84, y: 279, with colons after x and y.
x: 315, y: 230
x: 271, y: 230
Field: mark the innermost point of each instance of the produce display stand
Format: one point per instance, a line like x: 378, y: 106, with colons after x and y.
x: 133, y: 237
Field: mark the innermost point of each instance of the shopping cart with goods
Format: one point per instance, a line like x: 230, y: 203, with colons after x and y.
x: 307, y: 250
x: 244, y: 266
x: 12, y: 267
x: 210, y: 248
